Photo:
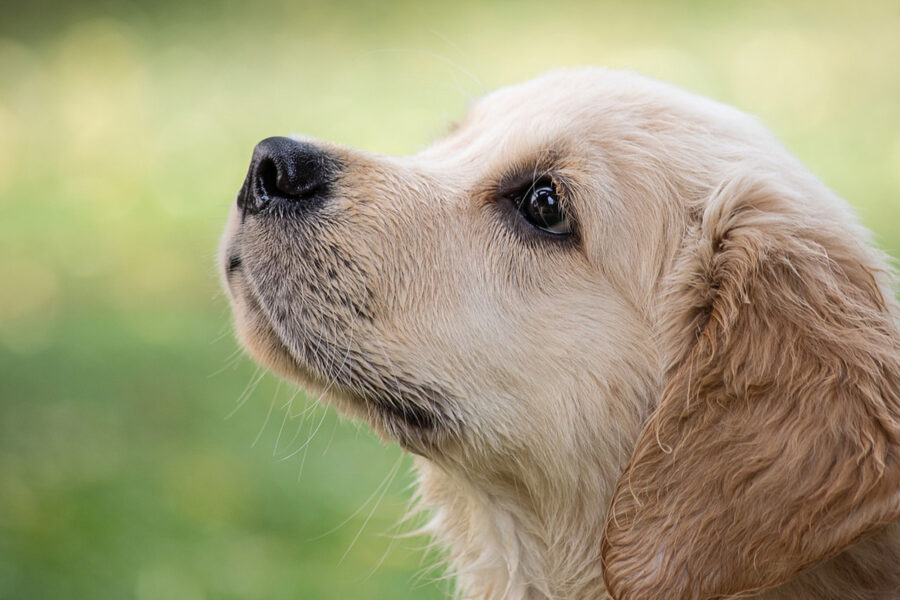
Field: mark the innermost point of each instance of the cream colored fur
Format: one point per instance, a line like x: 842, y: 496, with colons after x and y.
x: 696, y: 396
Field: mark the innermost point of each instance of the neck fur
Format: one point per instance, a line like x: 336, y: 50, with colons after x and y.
x: 503, y: 543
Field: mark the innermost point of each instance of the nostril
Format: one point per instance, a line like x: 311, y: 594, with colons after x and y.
x: 281, y: 179
x: 268, y: 180
x: 287, y: 170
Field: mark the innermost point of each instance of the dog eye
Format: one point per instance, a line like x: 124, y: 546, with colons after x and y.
x: 540, y: 206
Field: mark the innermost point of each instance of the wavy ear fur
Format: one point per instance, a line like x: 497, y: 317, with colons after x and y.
x: 776, y: 442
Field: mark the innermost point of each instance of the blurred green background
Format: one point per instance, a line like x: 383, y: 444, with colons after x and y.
x: 141, y: 455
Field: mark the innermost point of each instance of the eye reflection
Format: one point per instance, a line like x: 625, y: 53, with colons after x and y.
x: 539, y: 204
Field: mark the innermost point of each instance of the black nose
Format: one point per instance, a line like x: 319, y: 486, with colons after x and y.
x: 286, y: 172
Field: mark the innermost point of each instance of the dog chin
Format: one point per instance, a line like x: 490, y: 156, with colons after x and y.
x: 392, y: 421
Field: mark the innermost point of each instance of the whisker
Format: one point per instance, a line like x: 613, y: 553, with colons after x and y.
x: 266, y: 421
x: 287, y: 412
x: 334, y: 429
x: 248, y: 391
x: 362, y: 506
x: 230, y: 361
x: 307, y: 442
x: 302, y: 416
x: 392, y: 474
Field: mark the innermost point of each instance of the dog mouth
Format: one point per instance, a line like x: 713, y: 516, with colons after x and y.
x: 234, y: 264
x: 393, y: 402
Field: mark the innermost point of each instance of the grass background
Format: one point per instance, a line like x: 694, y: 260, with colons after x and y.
x: 131, y: 464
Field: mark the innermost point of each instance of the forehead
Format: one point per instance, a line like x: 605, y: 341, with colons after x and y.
x: 549, y: 100
x: 533, y: 114
x: 561, y: 110
x: 580, y: 111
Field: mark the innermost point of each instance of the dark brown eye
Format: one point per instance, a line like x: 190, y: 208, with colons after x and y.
x: 539, y: 205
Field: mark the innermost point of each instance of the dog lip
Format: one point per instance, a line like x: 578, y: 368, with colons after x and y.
x: 409, y: 413
x: 234, y: 263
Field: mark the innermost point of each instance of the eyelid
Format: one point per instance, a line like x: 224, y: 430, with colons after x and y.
x: 524, y: 181
x: 519, y: 183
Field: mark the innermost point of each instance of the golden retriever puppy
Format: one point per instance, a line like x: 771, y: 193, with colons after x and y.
x: 639, y: 351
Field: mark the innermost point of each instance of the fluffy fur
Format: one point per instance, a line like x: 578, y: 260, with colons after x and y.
x: 696, y: 396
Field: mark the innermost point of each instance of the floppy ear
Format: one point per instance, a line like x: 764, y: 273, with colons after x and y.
x: 776, y: 442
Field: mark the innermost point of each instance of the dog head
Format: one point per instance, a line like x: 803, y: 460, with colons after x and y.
x: 594, y: 269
